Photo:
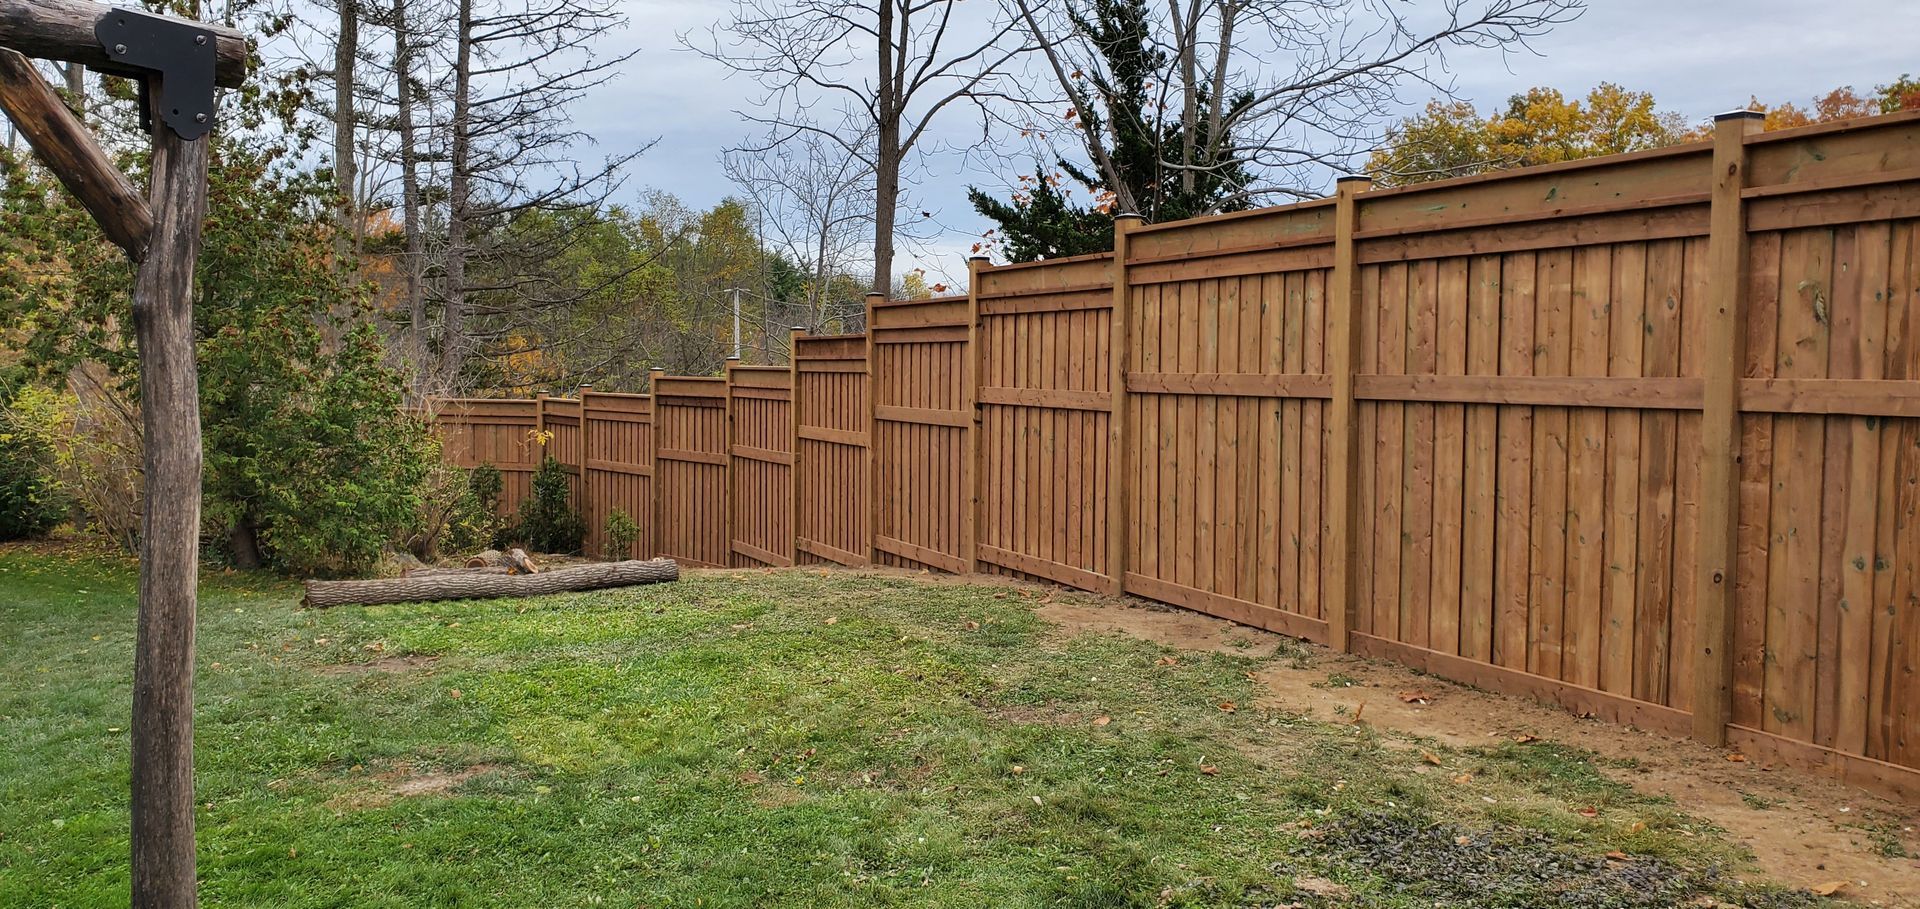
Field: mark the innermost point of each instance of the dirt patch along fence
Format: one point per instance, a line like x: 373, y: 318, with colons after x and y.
x: 1638, y: 435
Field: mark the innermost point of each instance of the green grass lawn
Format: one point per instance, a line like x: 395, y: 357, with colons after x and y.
x: 770, y: 739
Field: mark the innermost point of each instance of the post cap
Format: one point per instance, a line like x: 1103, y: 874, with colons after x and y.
x: 979, y: 257
x: 733, y: 359
x: 1130, y: 215
x: 1742, y: 114
x: 875, y: 293
x: 656, y: 369
x: 1354, y: 178
x: 796, y: 328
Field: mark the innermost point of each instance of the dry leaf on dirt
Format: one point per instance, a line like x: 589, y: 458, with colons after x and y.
x: 1525, y: 739
x: 1737, y: 758
x: 1829, y: 888
x: 1416, y: 697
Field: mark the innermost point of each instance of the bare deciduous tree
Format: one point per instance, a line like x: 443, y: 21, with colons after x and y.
x: 895, y: 64
x: 812, y: 202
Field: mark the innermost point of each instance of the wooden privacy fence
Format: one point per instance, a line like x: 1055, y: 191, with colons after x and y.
x: 1639, y: 435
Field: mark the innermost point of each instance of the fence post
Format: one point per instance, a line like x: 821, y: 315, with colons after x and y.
x: 726, y: 458
x: 873, y: 436
x: 970, y: 449
x: 1722, y: 353
x: 587, y: 511
x: 1120, y: 430
x: 794, y: 334
x: 1343, y: 298
x: 653, y: 460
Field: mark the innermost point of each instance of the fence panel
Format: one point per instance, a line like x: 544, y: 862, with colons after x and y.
x: 690, y: 470
x: 500, y: 433
x: 831, y: 439
x: 618, y: 462
x: 760, y: 453
x: 1228, y: 394
x: 1045, y: 403
x: 1827, y: 599
x: 1499, y: 528
x: 921, y: 416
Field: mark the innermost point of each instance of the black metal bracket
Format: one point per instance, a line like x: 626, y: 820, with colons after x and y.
x: 173, y: 62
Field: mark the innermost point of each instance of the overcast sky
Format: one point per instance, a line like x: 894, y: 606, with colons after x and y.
x: 1697, y: 57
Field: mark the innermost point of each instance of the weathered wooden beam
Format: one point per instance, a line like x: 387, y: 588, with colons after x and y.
x: 63, y: 30
x: 163, y: 856
x: 67, y: 149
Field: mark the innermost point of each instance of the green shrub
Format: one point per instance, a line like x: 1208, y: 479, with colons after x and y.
x: 547, y: 522
x: 31, y: 502
x: 618, y: 536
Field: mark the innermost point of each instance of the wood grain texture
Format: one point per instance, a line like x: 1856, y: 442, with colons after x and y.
x: 67, y: 149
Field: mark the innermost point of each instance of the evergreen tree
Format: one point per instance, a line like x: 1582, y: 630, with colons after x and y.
x: 1141, y: 138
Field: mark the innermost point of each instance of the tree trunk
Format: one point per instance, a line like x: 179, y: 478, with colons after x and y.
x: 346, y: 49
x: 410, y: 188
x: 76, y: 88
x: 484, y: 585
x: 454, y: 311
x: 886, y: 158
x: 163, y: 857
x: 243, y: 545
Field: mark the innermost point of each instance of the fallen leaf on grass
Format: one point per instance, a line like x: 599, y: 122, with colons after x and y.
x: 1619, y: 856
x: 1416, y: 697
x: 973, y: 626
x: 1321, y: 887
x: 1227, y: 707
x: 1463, y: 779
x: 1589, y: 811
x: 1430, y: 758
x: 1525, y: 739
x: 1462, y: 840
x: 832, y: 620
x: 454, y: 693
x: 1102, y: 721
x: 1017, y: 770
x: 1636, y: 827
x: 1209, y: 770
x: 1829, y: 888
x: 1167, y: 661
x: 1737, y: 757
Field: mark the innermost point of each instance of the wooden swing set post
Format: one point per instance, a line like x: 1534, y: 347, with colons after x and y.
x: 179, y: 63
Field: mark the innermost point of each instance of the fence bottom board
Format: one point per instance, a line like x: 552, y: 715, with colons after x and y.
x: 921, y: 554
x: 1047, y: 568
x: 1871, y: 774
x: 832, y: 553
x: 761, y: 555
x: 1236, y: 610
x: 689, y: 561
x: 1579, y: 699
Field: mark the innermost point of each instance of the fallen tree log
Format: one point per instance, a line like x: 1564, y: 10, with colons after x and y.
x: 515, y: 560
x: 486, y: 586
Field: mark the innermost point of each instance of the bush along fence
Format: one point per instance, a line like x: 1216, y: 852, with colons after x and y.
x: 1638, y: 435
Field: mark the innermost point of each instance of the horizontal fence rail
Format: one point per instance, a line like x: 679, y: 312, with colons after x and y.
x: 1637, y: 435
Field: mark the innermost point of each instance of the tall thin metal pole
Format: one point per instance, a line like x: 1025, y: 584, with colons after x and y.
x: 736, y: 323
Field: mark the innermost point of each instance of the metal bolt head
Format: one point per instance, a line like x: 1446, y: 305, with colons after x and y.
x: 200, y: 40
x: 199, y: 118
x: 120, y: 49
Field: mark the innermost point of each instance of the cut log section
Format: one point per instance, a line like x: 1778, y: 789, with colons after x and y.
x: 486, y: 586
